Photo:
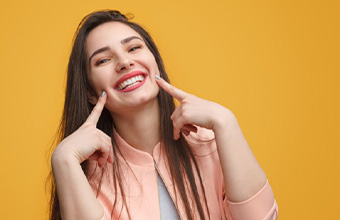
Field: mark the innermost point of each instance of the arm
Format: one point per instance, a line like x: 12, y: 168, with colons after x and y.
x: 243, y: 175
x: 244, y: 180
x: 76, y: 198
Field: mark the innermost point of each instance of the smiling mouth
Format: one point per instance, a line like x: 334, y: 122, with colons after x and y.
x: 130, y: 82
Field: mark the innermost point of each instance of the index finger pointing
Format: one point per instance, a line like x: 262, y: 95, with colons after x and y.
x: 170, y: 89
x: 97, y: 110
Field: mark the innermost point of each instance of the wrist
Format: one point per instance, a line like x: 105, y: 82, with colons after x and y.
x: 61, y: 158
x: 225, y: 120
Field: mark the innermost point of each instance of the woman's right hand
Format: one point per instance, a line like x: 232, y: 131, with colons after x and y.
x: 87, y: 142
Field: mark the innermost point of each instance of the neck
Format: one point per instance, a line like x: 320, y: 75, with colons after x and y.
x: 140, y: 127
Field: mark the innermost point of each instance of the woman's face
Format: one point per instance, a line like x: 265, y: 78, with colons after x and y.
x: 120, y: 63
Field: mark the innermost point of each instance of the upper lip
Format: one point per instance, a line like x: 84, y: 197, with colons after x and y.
x: 128, y: 76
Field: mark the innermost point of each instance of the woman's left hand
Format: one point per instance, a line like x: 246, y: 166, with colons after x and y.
x: 192, y: 111
x: 243, y: 176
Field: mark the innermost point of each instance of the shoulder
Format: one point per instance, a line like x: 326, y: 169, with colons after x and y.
x: 203, y: 142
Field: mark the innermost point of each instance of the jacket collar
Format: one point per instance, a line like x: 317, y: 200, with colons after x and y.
x: 135, y: 156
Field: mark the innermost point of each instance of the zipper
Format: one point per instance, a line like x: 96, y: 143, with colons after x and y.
x: 159, y: 197
x: 173, y: 200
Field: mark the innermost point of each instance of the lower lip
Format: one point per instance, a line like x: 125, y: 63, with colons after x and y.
x: 133, y: 87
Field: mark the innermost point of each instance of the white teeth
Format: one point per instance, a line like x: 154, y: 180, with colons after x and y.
x: 131, y: 82
x: 135, y: 83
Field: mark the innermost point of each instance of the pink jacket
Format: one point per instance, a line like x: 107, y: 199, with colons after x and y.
x: 141, y: 185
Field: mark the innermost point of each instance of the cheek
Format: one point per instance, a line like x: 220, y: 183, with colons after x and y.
x: 153, y: 63
x: 147, y: 59
x: 100, y: 80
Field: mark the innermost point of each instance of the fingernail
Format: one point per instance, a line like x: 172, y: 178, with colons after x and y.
x: 103, y: 93
x: 158, y: 77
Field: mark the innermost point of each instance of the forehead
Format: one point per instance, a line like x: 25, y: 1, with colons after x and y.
x: 108, y: 34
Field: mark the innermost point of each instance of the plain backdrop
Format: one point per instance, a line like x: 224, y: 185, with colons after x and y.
x: 275, y: 64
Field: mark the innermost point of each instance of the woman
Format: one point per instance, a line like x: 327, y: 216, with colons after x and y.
x: 128, y: 153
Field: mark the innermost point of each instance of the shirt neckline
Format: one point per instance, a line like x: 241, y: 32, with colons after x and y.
x: 136, y: 156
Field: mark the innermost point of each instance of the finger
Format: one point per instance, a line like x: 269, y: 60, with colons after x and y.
x: 97, y: 110
x: 170, y: 89
x: 104, y: 137
x: 110, y: 158
x: 178, y: 125
x: 179, y: 121
x: 177, y: 112
x: 108, y: 143
x: 186, y: 129
x: 102, y: 148
x: 185, y: 132
x: 174, y: 117
x: 104, y: 155
x: 189, y: 128
x: 97, y: 155
x: 101, y: 161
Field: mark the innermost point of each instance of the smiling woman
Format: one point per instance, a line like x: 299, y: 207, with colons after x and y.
x: 120, y: 62
x: 126, y: 152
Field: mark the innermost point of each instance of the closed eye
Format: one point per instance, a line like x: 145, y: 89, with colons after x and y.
x: 134, y: 48
x: 102, y: 61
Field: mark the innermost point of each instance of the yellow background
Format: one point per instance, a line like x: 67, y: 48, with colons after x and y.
x: 275, y: 64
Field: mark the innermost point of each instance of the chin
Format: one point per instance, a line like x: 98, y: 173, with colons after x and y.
x: 144, y: 100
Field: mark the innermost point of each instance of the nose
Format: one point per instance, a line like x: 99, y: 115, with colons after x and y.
x: 124, y: 63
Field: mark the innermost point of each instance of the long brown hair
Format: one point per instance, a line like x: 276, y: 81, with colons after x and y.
x: 77, y: 108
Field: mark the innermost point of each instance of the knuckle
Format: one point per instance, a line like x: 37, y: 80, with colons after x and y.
x: 97, y: 138
x: 177, y: 124
x: 85, y: 126
x: 185, y: 100
x: 185, y: 114
x: 181, y: 123
x: 104, y: 150
x: 190, y: 97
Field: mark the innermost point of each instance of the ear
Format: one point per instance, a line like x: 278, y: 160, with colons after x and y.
x: 92, y: 98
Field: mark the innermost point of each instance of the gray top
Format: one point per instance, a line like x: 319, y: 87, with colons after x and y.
x: 167, y: 206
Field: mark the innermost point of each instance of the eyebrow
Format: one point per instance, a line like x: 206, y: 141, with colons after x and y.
x: 126, y: 40
x: 100, y: 50
x: 103, y: 49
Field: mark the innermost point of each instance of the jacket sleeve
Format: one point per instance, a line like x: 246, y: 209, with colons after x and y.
x: 261, y: 206
x: 99, y: 181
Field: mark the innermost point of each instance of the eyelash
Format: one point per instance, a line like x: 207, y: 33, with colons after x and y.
x: 106, y: 60
x: 102, y: 61
x: 135, y: 48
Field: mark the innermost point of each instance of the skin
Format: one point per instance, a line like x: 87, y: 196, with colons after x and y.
x: 243, y: 176
x: 136, y: 115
